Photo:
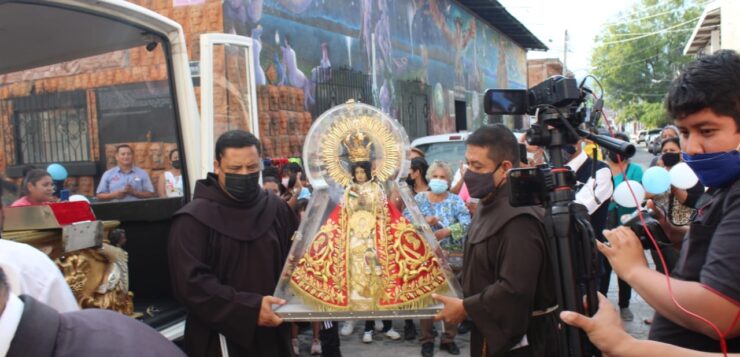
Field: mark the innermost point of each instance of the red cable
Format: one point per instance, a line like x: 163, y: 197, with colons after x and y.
x: 723, y: 341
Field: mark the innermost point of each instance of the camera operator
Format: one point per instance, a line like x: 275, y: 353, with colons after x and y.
x: 705, y: 104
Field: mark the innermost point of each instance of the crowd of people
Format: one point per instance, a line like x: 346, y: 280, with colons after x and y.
x: 228, y: 246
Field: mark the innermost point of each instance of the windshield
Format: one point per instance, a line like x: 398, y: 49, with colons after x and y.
x: 108, y: 119
x: 452, y: 152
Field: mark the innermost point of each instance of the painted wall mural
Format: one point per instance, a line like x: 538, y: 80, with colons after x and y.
x: 437, y: 42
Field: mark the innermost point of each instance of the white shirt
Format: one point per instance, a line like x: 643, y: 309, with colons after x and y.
x: 458, y: 176
x: 595, y: 192
x: 172, y: 184
x: 31, y: 272
x: 9, y: 321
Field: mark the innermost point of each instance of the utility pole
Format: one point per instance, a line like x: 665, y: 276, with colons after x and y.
x: 565, y: 53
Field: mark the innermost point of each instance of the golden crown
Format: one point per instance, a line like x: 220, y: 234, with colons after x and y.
x: 357, y: 149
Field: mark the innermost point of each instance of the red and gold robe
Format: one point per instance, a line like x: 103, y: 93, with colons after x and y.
x: 409, y: 271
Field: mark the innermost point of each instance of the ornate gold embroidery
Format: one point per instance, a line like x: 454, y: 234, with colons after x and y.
x: 364, y: 262
x: 87, y: 271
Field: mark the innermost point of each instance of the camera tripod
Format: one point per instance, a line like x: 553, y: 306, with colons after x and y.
x: 571, y: 239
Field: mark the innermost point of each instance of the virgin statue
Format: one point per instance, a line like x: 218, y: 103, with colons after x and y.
x: 362, y: 254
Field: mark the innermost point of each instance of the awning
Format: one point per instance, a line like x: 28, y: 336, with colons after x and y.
x: 496, y: 15
x: 709, y: 21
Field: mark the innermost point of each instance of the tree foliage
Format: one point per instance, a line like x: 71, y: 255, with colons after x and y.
x: 640, y: 52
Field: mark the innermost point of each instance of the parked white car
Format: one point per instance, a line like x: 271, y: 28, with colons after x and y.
x: 446, y: 147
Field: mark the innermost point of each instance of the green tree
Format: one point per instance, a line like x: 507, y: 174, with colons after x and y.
x: 640, y: 52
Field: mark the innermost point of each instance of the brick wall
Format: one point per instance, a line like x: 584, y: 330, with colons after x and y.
x: 116, y: 68
x: 540, y: 69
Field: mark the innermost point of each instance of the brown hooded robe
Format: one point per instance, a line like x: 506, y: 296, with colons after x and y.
x: 507, y: 275
x: 224, y: 256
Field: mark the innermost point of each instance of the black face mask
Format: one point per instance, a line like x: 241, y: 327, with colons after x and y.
x: 244, y: 188
x: 480, y: 185
x: 671, y: 158
x: 410, y: 181
x: 176, y: 164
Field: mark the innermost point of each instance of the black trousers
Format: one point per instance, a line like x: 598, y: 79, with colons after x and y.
x: 330, y: 340
x: 625, y: 291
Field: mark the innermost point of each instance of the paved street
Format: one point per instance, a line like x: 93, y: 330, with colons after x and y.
x: 382, y: 346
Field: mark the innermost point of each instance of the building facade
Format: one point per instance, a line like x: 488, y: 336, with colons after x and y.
x: 426, y: 63
x: 540, y: 69
x: 718, y: 28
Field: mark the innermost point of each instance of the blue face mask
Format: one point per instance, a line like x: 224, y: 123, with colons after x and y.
x: 717, y: 169
x: 438, y: 186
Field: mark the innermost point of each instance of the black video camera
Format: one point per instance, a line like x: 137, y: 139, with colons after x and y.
x: 557, y: 91
x: 561, y: 107
x: 651, y: 224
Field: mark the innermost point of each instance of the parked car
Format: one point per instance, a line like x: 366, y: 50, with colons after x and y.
x: 449, y: 148
x: 654, y: 146
x: 445, y: 147
x: 641, y: 137
x: 653, y: 136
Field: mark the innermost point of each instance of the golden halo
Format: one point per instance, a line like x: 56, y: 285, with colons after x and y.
x: 373, y: 128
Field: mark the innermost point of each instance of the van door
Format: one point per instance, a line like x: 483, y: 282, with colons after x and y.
x: 228, y: 91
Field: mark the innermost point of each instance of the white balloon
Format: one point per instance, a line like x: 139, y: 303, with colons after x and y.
x: 75, y: 198
x: 682, y: 176
x: 623, y: 197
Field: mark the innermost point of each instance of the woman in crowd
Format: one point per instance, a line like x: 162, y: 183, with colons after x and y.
x: 447, y: 215
x: 170, y: 184
x: 678, y: 205
x: 633, y: 173
x: 417, y: 182
x: 417, y: 179
x: 37, y: 189
x: 272, y: 184
x: 669, y: 131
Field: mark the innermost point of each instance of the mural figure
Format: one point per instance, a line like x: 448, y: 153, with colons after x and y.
x: 295, y: 76
x: 279, y: 70
x: 458, y: 40
x: 322, y: 72
x: 438, y: 43
x: 259, y: 73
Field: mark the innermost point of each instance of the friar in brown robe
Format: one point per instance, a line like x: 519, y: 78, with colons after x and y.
x: 224, y: 256
x: 508, y: 282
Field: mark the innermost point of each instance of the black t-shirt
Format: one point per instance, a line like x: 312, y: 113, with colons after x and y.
x: 710, y: 255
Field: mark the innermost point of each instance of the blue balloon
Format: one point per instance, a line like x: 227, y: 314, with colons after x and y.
x: 57, y: 172
x: 656, y: 180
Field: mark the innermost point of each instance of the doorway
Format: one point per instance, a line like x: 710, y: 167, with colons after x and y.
x: 461, y: 121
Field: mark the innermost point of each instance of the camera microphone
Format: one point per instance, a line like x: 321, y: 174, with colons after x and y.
x: 623, y: 148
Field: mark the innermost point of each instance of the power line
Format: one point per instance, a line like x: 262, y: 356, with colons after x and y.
x: 647, y: 33
x: 646, y: 49
x: 637, y: 11
x: 638, y: 94
x: 651, y: 33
